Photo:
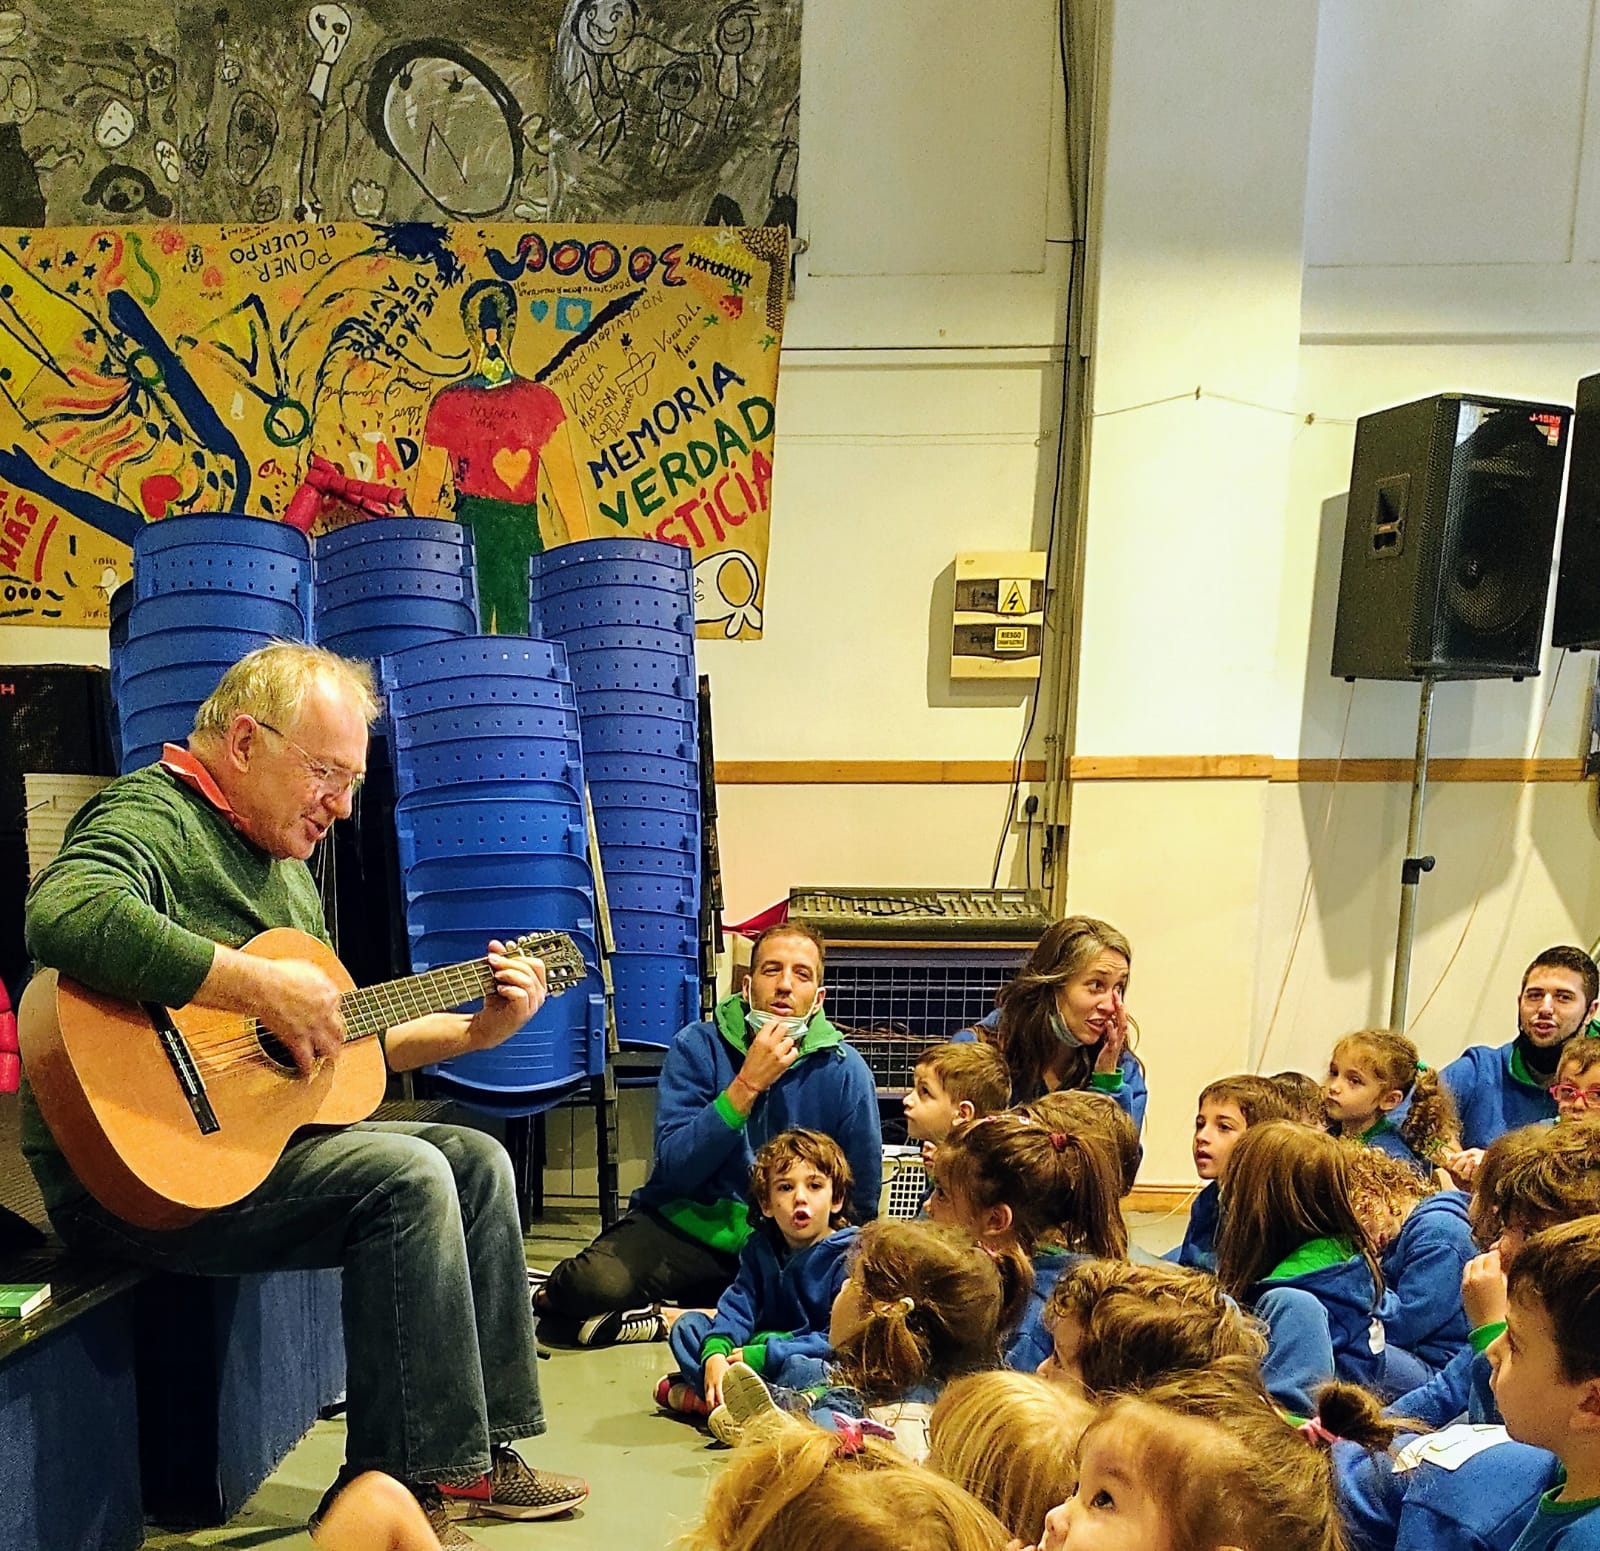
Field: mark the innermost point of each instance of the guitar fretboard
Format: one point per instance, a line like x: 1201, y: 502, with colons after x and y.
x: 372, y: 1009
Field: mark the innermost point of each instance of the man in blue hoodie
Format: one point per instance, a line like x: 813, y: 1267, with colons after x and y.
x: 1499, y: 1088
x: 768, y: 1061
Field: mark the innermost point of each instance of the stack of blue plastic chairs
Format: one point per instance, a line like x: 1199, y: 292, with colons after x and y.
x: 206, y: 590
x: 624, y: 610
x: 395, y: 582
x: 492, y: 841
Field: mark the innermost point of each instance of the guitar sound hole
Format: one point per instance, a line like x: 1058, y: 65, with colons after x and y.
x: 274, y: 1049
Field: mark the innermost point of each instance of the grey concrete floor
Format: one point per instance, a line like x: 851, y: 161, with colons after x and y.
x: 648, y: 1472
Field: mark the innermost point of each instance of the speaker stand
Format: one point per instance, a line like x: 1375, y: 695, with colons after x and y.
x: 1413, y: 867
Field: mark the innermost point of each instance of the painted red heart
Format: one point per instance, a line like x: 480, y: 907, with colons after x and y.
x: 157, y: 492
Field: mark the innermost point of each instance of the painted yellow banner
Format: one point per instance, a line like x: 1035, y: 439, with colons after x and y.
x: 537, y: 384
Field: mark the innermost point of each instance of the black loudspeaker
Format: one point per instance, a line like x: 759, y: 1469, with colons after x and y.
x: 1577, y: 615
x: 1448, y: 539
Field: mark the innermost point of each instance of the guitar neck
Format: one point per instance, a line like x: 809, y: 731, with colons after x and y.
x: 372, y: 1009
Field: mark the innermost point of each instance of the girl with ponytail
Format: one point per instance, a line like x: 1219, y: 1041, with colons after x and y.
x: 1379, y: 1092
x: 1021, y: 1188
x: 922, y: 1305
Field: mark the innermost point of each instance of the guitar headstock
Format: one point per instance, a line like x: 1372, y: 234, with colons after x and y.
x: 562, y: 958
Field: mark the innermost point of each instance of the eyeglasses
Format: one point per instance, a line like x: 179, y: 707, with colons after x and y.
x: 1570, y: 1093
x: 334, y: 780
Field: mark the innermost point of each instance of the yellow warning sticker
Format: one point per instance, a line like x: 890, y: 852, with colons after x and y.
x: 1010, y: 638
x: 1014, y: 595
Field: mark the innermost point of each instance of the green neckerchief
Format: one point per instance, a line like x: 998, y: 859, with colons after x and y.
x: 1314, y: 1255
x: 1550, y: 1504
x: 1377, y: 1128
x: 1520, y: 1072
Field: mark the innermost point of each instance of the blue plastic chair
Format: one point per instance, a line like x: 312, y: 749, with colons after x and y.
x: 489, y: 827
x: 633, y: 737
x: 393, y: 535
x: 652, y: 893
x: 625, y: 861
x: 475, y: 656
x: 451, y: 723
x: 148, y: 651
x: 490, y: 689
x: 335, y: 592
x: 228, y: 528
x: 656, y: 995
x: 453, y: 614
x: 210, y: 609
x: 250, y: 573
x: 155, y: 726
x: 601, y: 551
x: 425, y: 876
x: 560, y: 793
x: 163, y: 686
x: 640, y: 931
x: 646, y: 827
x: 376, y: 641
x: 613, y: 702
x: 631, y: 608
x: 472, y: 760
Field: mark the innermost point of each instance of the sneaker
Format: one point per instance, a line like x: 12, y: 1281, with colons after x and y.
x: 430, y: 1499
x: 745, y: 1396
x: 678, y: 1395
x: 721, y: 1425
x: 513, y: 1489
x: 620, y: 1327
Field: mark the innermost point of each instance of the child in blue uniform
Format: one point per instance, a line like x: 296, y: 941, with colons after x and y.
x: 1226, y: 1110
x: 1292, y: 1250
x: 1116, y: 1327
x: 1424, y: 1240
x: 1379, y: 1092
x: 1464, y: 1488
x: 1062, y: 1022
x: 1051, y: 1196
x: 1547, y: 1376
x: 922, y: 1305
x: 1201, y: 1461
x: 1576, y: 1089
x: 791, y: 1268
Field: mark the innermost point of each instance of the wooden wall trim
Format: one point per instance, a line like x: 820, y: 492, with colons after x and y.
x: 1137, y: 767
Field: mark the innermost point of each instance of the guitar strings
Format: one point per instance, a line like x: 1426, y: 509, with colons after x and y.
x: 242, y: 1045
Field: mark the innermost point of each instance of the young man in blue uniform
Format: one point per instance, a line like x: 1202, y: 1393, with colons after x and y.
x: 1499, y: 1088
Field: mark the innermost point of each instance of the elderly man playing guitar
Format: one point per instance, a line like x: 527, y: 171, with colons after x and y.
x: 163, y: 878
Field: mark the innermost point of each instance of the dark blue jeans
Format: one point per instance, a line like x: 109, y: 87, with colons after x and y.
x: 439, y: 1343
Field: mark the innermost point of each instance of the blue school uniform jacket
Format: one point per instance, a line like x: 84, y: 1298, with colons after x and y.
x: 1032, y: 1343
x: 1495, y: 1093
x: 1572, y: 1527
x: 1126, y: 1085
x: 780, y: 1302
x: 1199, y: 1247
x: 1481, y: 1504
x: 1421, y: 1308
x: 1460, y: 1389
x: 1340, y: 1280
x: 700, y: 1176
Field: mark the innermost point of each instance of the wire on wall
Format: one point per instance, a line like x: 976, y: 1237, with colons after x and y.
x: 1493, y: 852
x: 1078, y: 217
x: 1305, y: 887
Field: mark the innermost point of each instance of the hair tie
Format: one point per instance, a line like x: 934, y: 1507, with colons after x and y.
x: 1422, y: 1066
x: 907, y: 1305
x: 1058, y: 1140
x: 1314, y: 1432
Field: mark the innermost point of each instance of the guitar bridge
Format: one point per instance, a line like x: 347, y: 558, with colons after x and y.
x: 183, y: 1068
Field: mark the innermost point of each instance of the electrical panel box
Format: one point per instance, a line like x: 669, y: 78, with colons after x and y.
x: 999, y: 615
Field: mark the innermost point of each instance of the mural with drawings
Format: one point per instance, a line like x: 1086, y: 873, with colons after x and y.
x: 537, y: 383
x: 632, y: 111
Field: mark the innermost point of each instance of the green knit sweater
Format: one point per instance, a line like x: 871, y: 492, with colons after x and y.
x: 149, y: 879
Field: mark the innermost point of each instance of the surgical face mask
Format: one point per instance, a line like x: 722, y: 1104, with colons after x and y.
x: 756, y: 1020
x: 1058, y: 1027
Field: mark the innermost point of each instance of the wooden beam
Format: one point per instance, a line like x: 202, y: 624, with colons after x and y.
x: 1140, y: 767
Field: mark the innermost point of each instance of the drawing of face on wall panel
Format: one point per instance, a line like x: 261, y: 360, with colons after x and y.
x: 451, y: 122
x: 252, y: 133
x: 726, y: 586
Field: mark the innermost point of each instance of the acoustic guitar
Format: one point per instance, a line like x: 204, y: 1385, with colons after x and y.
x: 167, y: 1115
